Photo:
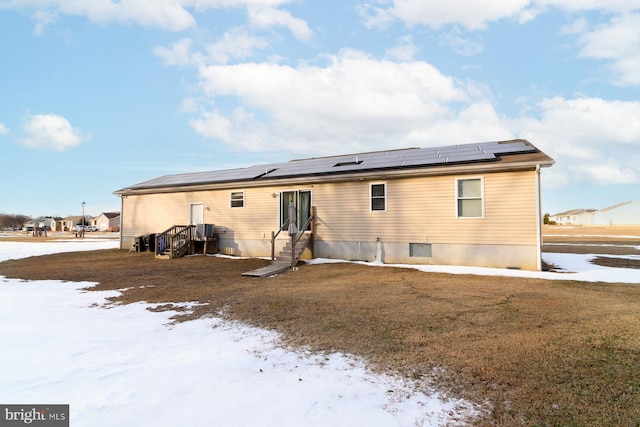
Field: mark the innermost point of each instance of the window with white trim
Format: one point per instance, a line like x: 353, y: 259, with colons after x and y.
x: 469, y: 198
x: 378, y: 194
x: 237, y: 199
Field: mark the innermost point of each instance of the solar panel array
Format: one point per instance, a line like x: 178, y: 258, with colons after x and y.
x: 379, y: 160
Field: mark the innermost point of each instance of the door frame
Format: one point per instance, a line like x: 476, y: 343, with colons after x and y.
x: 283, y: 211
x: 191, y: 215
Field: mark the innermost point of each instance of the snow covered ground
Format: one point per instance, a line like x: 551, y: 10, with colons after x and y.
x: 125, y: 365
x: 570, y: 267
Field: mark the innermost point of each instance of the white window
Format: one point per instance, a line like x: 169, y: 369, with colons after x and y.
x: 469, y: 197
x: 378, y: 193
x: 237, y: 199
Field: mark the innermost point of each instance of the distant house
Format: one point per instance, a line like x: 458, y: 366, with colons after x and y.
x: 107, y: 221
x: 67, y: 224
x: 473, y: 204
x: 621, y: 214
x: 575, y: 217
x: 42, y: 223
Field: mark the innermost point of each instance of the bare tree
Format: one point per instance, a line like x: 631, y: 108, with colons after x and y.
x: 13, y: 221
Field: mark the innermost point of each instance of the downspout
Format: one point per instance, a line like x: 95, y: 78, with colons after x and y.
x: 121, y: 214
x: 538, y: 218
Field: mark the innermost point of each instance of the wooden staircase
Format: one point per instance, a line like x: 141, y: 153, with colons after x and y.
x: 287, y: 258
x: 292, y: 256
x: 174, y: 242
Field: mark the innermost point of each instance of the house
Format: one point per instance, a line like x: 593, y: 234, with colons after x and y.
x: 67, y: 223
x: 472, y: 204
x: 620, y: 214
x: 43, y: 223
x: 107, y: 221
x: 574, y: 217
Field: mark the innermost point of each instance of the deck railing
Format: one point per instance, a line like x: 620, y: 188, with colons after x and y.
x: 296, y: 237
x: 273, y: 238
x: 175, y: 241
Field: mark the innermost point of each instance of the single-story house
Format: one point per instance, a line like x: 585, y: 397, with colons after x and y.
x: 67, y: 223
x: 473, y: 204
x: 574, y: 217
x: 107, y: 221
x: 620, y: 214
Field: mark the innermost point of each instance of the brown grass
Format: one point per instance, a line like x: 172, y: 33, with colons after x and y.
x: 539, y: 352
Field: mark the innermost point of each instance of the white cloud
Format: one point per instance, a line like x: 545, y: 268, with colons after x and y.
x: 618, y: 41
x: 241, y: 129
x: 50, y: 132
x: 473, y: 15
x: 610, y: 6
x: 179, y: 53
x: 3, y: 129
x: 166, y: 14
x: 578, y: 26
x: 375, y: 16
x: 234, y: 44
x: 267, y: 17
x: 460, y: 44
x: 43, y: 19
x: 354, y: 102
x: 171, y: 15
x: 404, y: 50
x: 476, y: 15
x: 593, y: 140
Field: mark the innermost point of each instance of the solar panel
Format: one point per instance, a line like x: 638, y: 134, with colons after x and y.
x: 381, y: 160
x: 516, y: 147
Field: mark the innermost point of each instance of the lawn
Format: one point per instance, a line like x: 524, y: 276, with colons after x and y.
x: 537, y: 352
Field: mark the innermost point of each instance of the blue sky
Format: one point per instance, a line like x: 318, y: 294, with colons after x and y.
x: 98, y: 95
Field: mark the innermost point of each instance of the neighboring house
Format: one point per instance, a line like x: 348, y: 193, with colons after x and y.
x: 43, y: 223
x: 107, y: 221
x: 474, y: 204
x: 574, y: 217
x: 67, y: 224
x: 621, y: 214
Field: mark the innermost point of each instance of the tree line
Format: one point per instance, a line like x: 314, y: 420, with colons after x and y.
x: 13, y: 220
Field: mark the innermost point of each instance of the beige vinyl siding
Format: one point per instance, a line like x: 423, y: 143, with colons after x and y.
x: 424, y: 210
x: 419, y: 209
x: 153, y: 213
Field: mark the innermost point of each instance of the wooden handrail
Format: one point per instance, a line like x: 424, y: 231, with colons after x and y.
x: 273, y: 238
x: 177, y: 238
x: 296, y: 238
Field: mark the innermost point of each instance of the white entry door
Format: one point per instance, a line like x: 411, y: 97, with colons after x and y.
x: 196, y: 213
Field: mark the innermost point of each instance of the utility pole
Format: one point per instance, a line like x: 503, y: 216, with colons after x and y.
x: 84, y: 225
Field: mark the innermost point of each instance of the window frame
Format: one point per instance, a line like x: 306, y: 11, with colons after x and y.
x: 459, y: 198
x: 232, y: 200
x: 384, y: 197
